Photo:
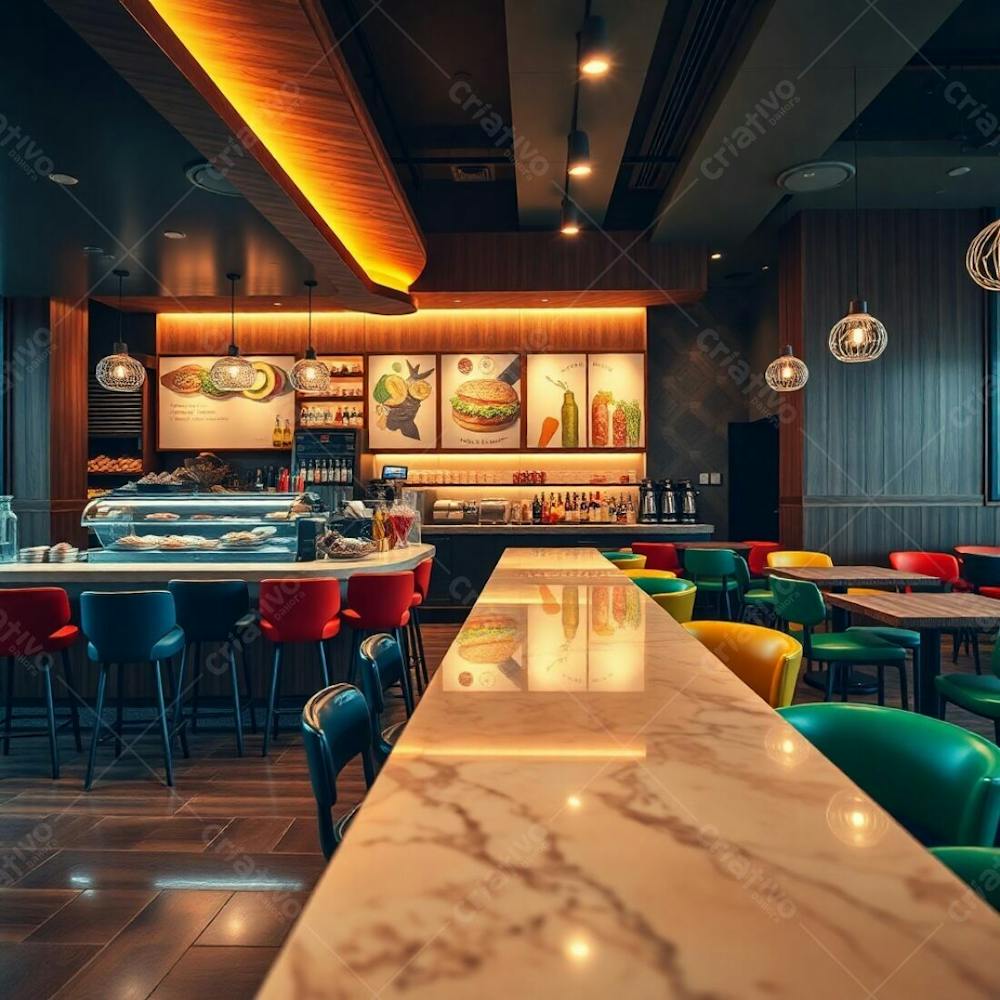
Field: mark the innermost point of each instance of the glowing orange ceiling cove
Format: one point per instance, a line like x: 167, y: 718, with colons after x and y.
x: 277, y: 64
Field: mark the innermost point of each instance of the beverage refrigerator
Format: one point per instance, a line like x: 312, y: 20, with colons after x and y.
x: 325, y: 462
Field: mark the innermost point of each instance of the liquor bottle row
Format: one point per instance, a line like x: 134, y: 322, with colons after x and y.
x: 329, y: 415
x: 575, y: 508
x: 318, y: 471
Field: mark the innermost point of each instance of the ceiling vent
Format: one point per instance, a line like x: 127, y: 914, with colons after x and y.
x: 472, y: 173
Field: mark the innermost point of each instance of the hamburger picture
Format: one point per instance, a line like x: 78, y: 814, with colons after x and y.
x: 488, y: 639
x: 485, y: 405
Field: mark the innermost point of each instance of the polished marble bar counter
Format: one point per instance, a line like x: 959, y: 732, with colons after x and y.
x: 587, y: 803
x: 90, y: 574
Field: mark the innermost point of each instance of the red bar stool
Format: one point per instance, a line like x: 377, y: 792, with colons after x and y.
x: 422, y: 586
x: 35, y: 623
x: 659, y: 555
x: 296, y: 611
x: 380, y: 602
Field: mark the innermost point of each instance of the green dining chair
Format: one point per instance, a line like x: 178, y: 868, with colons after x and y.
x: 655, y: 584
x: 800, y: 602
x: 756, y: 596
x: 976, y: 693
x: 939, y: 781
x: 713, y: 571
x: 977, y: 867
x: 677, y: 598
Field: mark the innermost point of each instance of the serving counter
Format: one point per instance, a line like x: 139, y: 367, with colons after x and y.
x: 588, y: 803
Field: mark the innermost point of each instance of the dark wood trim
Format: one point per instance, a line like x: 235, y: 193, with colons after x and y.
x: 791, y: 427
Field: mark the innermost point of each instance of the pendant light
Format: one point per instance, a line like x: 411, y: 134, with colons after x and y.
x: 578, y: 154
x: 570, y: 224
x: 233, y: 373
x: 859, y: 336
x: 120, y: 372
x: 983, y: 259
x: 594, y: 57
x: 786, y: 373
x: 310, y: 375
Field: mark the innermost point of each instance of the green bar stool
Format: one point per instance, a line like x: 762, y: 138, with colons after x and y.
x: 976, y: 693
x: 978, y: 867
x: 938, y: 780
x: 626, y: 560
x: 713, y: 571
x: 677, y: 598
x: 380, y: 666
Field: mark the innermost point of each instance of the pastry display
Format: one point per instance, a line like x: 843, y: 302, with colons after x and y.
x: 120, y: 464
x: 336, y: 546
x: 138, y: 542
x: 242, y: 539
x: 162, y: 516
x: 159, y: 479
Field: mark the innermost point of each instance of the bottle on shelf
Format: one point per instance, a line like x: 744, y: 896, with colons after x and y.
x: 536, y: 510
x: 286, y: 435
x: 277, y: 437
x: 258, y: 483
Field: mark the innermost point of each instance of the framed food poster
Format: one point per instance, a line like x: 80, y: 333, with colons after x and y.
x: 616, y: 393
x: 556, y: 401
x: 193, y: 415
x: 481, y: 401
x: 402, y: 401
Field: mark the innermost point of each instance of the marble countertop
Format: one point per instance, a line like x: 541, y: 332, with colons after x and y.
x: 90, y: 573
x: 448, y: 528
x: 587, y: 803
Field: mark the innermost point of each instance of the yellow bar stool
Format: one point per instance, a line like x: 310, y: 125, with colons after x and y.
x: 650, y: 574
x: 676, y: 597
x: 766, y: 660
x: 625, y: 560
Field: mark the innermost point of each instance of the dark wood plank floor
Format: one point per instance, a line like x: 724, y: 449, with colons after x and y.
x: 142, y: 891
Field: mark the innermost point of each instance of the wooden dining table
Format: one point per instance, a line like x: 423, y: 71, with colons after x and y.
x: 930, y: 614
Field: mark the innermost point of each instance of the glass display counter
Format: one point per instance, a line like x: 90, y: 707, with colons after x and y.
x: 134, y: 526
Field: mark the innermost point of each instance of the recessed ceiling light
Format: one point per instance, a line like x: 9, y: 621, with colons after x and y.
x: 203, y: 175
x: 545, y: 300
x: 765, y: 267
x: 175, y: 234
x: 959, y: 171
x: 820, y: 175
x: 456, y: 301
x: 92, y: 251
x: 716, y: 255
x: 277, y: 303
x: 67, y: 180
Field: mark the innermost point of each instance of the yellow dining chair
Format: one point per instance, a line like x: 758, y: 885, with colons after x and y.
x: 625, y: 560
x: 651, y: 574
x: 789, y: 559
x: 676, y: 597
x: 766, y: 660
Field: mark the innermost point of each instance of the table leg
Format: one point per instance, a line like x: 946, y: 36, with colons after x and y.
x: 924, y: 692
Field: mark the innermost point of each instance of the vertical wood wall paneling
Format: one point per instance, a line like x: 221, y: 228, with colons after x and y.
x: 792, y: 422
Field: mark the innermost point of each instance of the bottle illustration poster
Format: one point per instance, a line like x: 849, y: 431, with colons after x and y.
x: 193, y: 415
x: 480, y: 401
x: 557, y: 401
x: 402, y: 401
x: 616, y: 400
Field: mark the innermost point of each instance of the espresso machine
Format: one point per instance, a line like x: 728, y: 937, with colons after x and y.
x: 648, y: 502
x: 666, y: 499
x: 687, y: 501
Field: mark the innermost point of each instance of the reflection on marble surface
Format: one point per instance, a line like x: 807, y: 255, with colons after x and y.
x: 668, y: 835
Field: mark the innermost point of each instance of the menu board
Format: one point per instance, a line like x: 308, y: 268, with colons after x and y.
x: 193, y: 415
x: 480, y: 401
x: 557, y: 401
x: 616, y: 415
x: 402, y: 401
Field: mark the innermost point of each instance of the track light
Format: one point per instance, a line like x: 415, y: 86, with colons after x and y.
x: 570, y: 225
x: 578, y: 154
x: 595, y: 57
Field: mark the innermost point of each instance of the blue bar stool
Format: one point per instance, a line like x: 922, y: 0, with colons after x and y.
x: 216, y: 611
x: 132, y: 627
x: 336, y: 728
x: 381, y: 667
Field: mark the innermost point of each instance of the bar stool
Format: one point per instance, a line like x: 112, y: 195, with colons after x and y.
x: 422, y: 586
x: 714, y: 571
x: 336, y: 728
x: 216, y: 611
x: 381, y: 667
x: 380, y: 602
x: 37, y: 621
x: 133, y: 627
x: 296, y: 611
x: 659, y: 555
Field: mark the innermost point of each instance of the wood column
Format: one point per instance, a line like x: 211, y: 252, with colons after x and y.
x: 792, y: 423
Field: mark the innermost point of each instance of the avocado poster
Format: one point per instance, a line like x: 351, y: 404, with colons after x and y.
x: 480, y: 401
x: 193, y: 415
x: 402, y: 401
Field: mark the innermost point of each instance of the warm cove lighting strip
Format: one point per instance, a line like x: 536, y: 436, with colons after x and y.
x: 240, y: 64
x: 279, y: 315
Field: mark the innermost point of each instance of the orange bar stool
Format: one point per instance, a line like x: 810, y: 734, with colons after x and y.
x: 36, y: 624
x: 380, y: 602
x: 422, y: 586
x: 296, y: 611
x: 659, y: 555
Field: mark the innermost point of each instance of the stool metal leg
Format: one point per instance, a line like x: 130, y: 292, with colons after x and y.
x: 237, y: 710
x: 119, y: 712
x: 51, y: 708
x: 8, y: 705
x: 271, y: 718
x: 196, y: 678
x: 419, y: 636
x: 74, y: 712
x: 102, y: 683
x: 168, y: 763
x: 247, y: 680
x: 180, y: 723
x: 324, y: 666
x: 407, y: 689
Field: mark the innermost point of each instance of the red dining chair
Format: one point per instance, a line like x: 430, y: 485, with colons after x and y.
x: 381, y: 602
x: 938, y: 564
x: 294, y: 610
x: 422, y: 586
x: 659, y: 555
x: 757, y: 556
x: 37, y: 624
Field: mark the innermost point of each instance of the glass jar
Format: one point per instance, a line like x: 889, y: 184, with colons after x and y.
x: 8, y: 531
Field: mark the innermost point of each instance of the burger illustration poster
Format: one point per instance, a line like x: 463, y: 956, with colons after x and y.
x: 480, y: 401
x: 193, y: 414
x: 402, y: 401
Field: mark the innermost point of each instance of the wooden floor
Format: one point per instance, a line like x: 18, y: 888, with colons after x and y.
x: 135, y: 890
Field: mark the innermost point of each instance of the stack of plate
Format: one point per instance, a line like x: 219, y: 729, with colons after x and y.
x: 34, y: 553
x: 63, y: 553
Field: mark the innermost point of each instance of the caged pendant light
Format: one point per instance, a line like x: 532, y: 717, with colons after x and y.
x: 308, y: 374
x: 786, y: 373
x: 233, y: 373
x: 120, y: 372
x: 983, y: 259
x: 859, y: 336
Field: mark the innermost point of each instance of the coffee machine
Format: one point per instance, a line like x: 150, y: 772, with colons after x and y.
x: 687, y: 501
x: 648, y: 502
x: 666, y: 498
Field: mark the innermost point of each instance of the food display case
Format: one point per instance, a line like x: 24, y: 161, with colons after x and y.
x: 136, y: 526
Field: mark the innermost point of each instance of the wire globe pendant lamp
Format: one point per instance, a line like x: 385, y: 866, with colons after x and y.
x: 308, y: 374
x: 120, y: 372
x: 786, y: 373
x: 983, y: 259
x: 233, y: 373
x: 859, y: 336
